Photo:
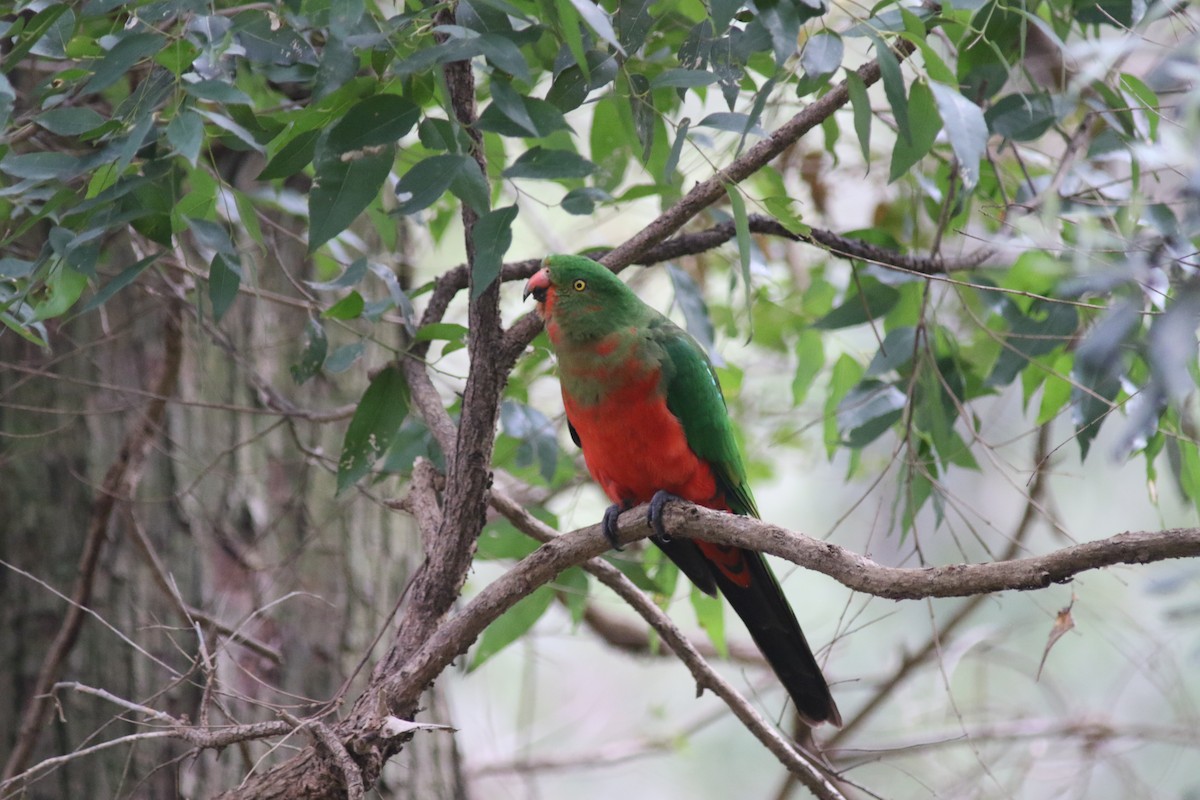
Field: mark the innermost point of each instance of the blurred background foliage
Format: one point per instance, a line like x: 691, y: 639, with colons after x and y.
x: 956, y: 322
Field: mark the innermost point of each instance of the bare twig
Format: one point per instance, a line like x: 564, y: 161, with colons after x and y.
x: 119, y: 483
x: 206, y: 737
x: 631, y: 638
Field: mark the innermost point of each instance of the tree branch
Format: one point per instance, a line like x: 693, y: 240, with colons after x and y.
x: 861, y: 574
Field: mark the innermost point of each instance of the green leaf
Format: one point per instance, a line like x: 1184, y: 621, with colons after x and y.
x: 597, y: 19
x: 212, y: 236
x: 1117, y: 13
x: 378, y: 120
x: 37, y: 27
x: 781, y: 208
x: 810, y: 357
x: 512, y: 624
x: 1187, y: 469
x: 70, y: 121
x: 989, y: 45
x: 822, y: 55
x: 501, y: 541
x: 492, y: 236
x: 690, y: 300
x: 268, y: 39
x: 549, y: 164
x: 349, y: 277
x: 504, y: 53
x: 349, y: 307
x: 568, y: 20
x: 42, y: 166
x: 178, y: 56
x: 1134, y: 87
x: 441, y: 331
x: 741, y: 226
x: 893, y: 87
x: 63, y: 287
x: 583, y: 201
x: 539, y: 441
x: 868, y: 410
x: 870, y: 303
x: 224, y: 279
x: 344, y: 357
x: 732, y: 122
x: 374, y: 426
x: 1096, y: 387
x: 313, y: 357
x: 678, y: 78
x: 926, y: 124
x: 676, y: 151
x: 216, y: 91
x: 429, y: 179
x: 895, y: 351
x: 1171, y: 345
x: 238, y: 132
x: 469, y: 185
x: 1056, y: 390
x: 185, y: 132
x: 1047, y: 326
x: 539, y: 118
x: 723, y: 12
x: 966, y: 128
x: 344, y: 186
x: 710, y: 613
x: 119, y: 60
x: 1022, y: 117
x: 8, y: 96
x: 124, y: 278
x: 510, y: 104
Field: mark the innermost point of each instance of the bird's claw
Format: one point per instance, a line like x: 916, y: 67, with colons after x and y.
x: 610, y: 525
x: 654, y: 515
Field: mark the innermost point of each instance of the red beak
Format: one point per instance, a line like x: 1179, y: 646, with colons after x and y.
x: 538, y: 285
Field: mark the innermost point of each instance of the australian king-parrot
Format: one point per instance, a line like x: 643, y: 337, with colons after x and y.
x: 643, y: 401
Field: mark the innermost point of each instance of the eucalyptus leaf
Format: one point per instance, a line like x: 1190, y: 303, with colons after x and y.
x: 374, y: 426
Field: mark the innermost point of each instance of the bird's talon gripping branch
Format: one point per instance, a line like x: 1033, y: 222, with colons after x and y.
x: 658, y: 504
x: 610, y: 525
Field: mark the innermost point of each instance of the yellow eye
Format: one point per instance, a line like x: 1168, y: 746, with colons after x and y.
x: 580, y: 285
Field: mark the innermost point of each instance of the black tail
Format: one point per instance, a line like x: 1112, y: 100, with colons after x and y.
x: 773, y: 626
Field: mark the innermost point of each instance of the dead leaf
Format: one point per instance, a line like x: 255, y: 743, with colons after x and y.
x: 1063, y: 622
x: 394, y: 726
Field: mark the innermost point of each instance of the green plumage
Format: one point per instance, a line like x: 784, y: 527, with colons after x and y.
x: 644, y: 404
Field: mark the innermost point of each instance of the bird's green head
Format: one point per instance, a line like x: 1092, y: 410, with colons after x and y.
x: 581, y: 300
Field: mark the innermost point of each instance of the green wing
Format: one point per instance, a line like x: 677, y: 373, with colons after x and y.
x: 694, y: 396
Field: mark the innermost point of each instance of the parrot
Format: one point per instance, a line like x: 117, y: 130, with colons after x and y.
x: 644, y: 404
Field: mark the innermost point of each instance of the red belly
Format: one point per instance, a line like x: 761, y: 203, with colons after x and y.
x: 634, y: 446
